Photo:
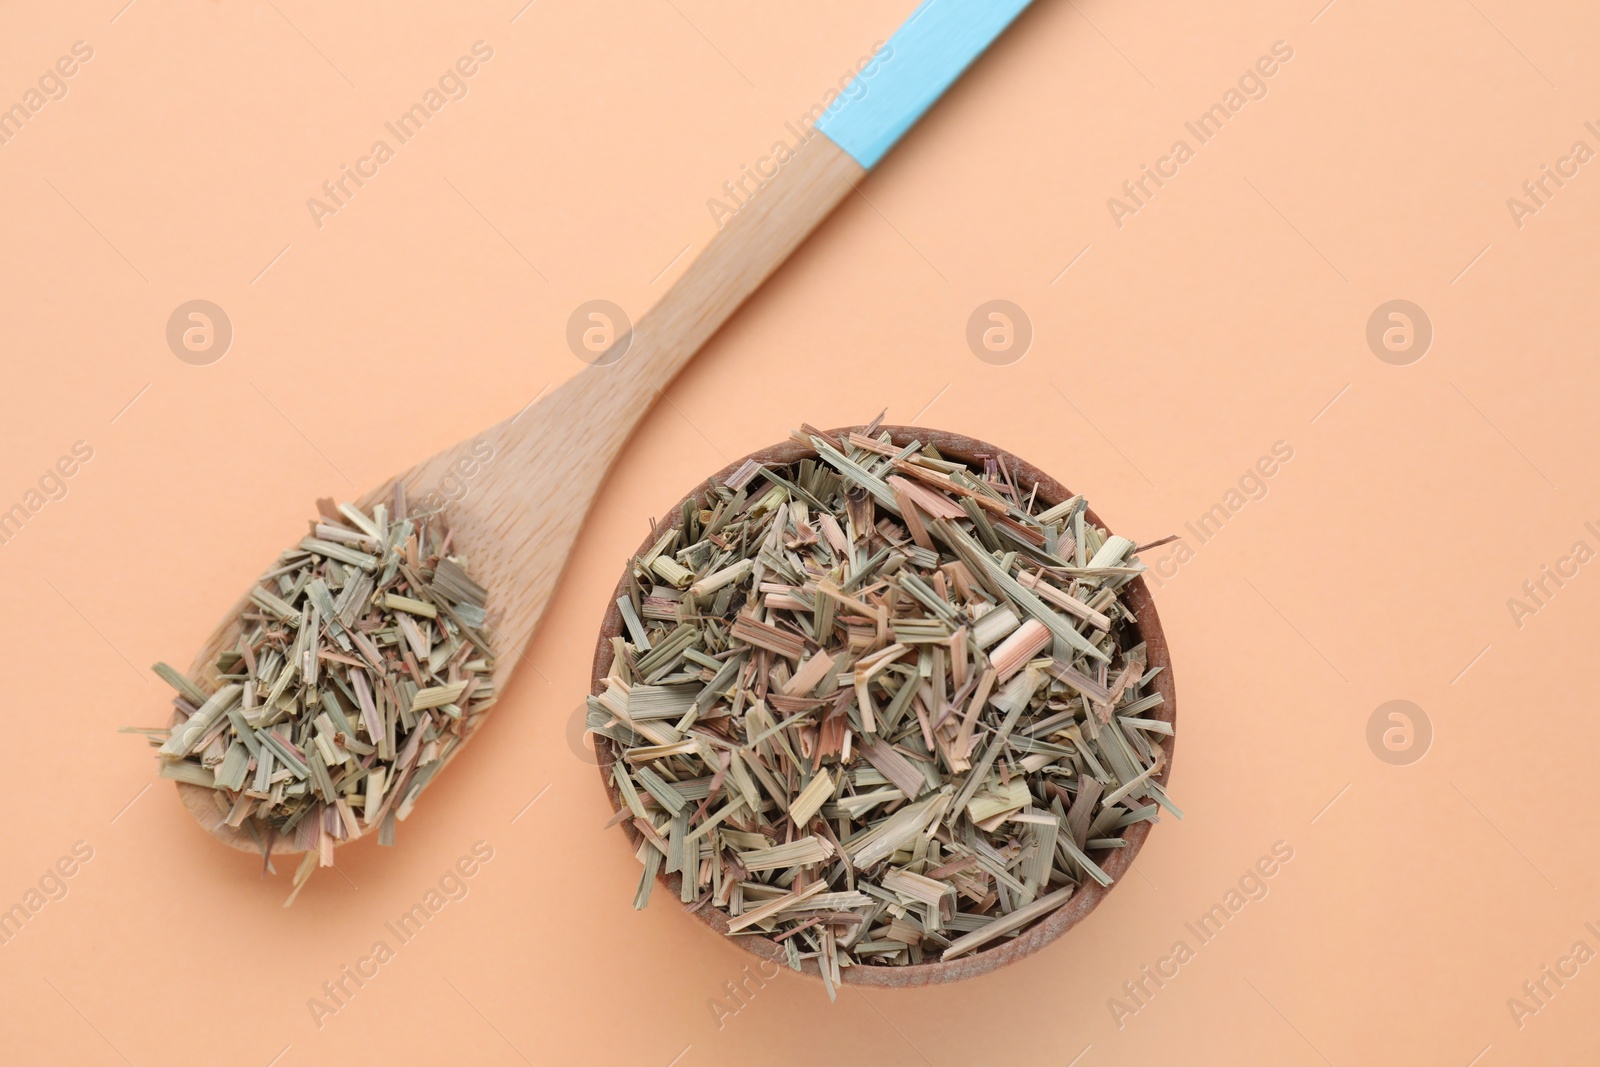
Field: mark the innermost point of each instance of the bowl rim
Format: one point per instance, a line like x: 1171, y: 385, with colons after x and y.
x: 1115, y: 862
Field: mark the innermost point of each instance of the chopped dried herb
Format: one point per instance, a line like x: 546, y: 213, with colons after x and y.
x: 878, y: 706
x: 358, y: 669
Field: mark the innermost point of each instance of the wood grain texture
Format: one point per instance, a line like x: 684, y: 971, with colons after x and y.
x: 516, y: 517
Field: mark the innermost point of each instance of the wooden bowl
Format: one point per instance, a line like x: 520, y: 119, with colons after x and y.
x: 1115, y: 862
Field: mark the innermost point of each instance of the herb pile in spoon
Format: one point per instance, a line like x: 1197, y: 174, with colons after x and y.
x: 359, y: 666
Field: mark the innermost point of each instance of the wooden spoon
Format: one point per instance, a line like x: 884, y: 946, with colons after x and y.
x: 519, y: 512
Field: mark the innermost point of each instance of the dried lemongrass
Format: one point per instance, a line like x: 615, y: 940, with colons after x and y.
x: 358, y: 669
x: 879, y: 706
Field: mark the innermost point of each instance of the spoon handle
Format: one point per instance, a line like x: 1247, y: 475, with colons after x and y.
x: 798, y: 188
x: 625, y: 380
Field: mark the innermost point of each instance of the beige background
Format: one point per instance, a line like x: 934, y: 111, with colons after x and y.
x: 1227, y: 315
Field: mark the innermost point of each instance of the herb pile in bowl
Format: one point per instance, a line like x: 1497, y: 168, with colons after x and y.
x: 880, y: 706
